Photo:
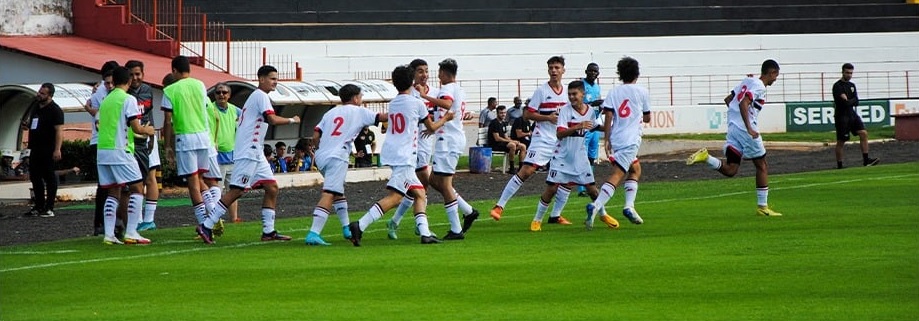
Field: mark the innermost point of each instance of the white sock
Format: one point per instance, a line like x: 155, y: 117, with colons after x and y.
x: 219, y: 211
x: 341, y: 209
x: 111, y: 206
x: 208, y: 201
x: 149, y: 210
x: 464, y: 206
x: 421, y: 221
x: 509, y: 190
x: 404, y: 206
x: 762, y: 196
x: 606, y: 192
x: 452, y: 215
x: 561, y: 198
x: 320, y: 215
x: 374, y: 214
x: 200, y: 213
x: 541, y: 210
x: 631, y: 190
x: 135, y: 202
x: 713, y: 162
x: 267, y: 220
x: 216, y: 193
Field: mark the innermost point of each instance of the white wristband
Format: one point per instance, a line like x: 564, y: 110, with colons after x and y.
x: 290, y: 120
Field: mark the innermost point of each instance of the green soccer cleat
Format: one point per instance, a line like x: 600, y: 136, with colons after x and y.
x: 698, y: 157
x: 391, y: 229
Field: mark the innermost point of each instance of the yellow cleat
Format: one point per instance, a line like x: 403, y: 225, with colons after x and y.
x: 609, y: 220
x: 218, y: 228
x: 698, y: 157
x: 535, y: 226
x: 766, y: 211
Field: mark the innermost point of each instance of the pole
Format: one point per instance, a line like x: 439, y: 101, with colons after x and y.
x: 204, y: 40
x: 179, y: 23
x: 155, y: 14
x: 228, y: 49
x: 264, y: 56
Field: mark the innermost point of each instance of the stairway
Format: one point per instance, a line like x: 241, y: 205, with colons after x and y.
x: 109, y: 23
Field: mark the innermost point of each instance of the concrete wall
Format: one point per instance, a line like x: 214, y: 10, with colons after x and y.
x: 35, y: 17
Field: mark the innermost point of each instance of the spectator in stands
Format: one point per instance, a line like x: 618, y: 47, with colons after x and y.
x: 44, y: 124
x: 269, y: 152
x: 364, y: 144
x: 22, y: 169
x: 522, y: 129
x: 279, y: 165
x: 303, y: 157
x: 222, y: 117
x: 516, y: 111
x: 498, y: 140
x: 488, y: 113
x: 7, y: 172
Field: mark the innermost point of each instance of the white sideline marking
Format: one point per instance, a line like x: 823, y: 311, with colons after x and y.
x: 38, y: 252
x: 209, y: 248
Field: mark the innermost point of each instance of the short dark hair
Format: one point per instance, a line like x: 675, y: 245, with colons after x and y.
x: 501, y: 107
x: 556, y: 60
x: 168, y: 80
x: 121, y: 76
x: 768, y: 66
x: 492, y: 99
x: 577, y: 84
x: 180, y: 63
x: 403, y: 77
x: 347, y: 92
x: 848, y: 66
x: 280, y: 144
x: 108, y: 66
x: 627, y: 68
x: 265, y: 70
x: 593, y: 64
x: 134, y: 63
x: 417, y: 63
x: 50, y: 88
x: 107, y: 73
x: 449, y: 65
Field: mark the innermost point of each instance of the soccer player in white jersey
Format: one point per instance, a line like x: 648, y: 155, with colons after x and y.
x: 570, y: 165
x: 743, y: 139
x: 400, y: 153
x: 543, y: 108
x: 119, y: 119
x: 625, y: 108
x: 251, y: 168
x: 425, y: 144
x: 449, y: 143
x: 334, y: 134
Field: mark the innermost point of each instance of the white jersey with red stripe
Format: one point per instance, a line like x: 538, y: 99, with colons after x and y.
x: 570, y: 157
x: 252, y: 125
x: 545, y: 101
x: 401, y: 145
x: 753, y: 88
x: 451, y: 137
x: 627, y: 103
x: 425, y: 143
x: 338, y: 127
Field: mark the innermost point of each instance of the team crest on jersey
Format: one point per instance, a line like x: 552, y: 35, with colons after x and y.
x: 548, y: 97
x: 245, y: 179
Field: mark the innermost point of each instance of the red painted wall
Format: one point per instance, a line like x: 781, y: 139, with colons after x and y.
x: 107, y: 24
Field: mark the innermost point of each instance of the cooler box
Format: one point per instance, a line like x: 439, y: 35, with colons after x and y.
x: 480, y: 160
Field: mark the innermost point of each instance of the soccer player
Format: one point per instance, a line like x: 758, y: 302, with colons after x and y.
x: 846, y: 120
x: 185, y: 109
x: 625, y: 108
x: 146, y: 148
x: 399, y: 152
x: 743, y: 140
x: 92, y: 107
x: 593, y: 99
x: 543, y: 109
x: 449, y: 142
x: 251, y: 169
x: 334, y: 135
x: 119, y: 119
x: 570, y: 164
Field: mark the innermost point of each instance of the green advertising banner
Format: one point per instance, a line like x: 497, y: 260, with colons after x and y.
x: 817, y: 116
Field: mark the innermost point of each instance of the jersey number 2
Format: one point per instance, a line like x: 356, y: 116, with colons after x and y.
x: 339, y: 121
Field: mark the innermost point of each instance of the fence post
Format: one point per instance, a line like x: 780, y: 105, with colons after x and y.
x: 907, y: 85
x: 155, y: 13
x: 228, y: 49
x: 204, y: 40
x: 299, y: 71
x: 179, y: 24
x: 671, y: 90
x: 127, y: 14
x: 264, y: 56
x: 822, y: 88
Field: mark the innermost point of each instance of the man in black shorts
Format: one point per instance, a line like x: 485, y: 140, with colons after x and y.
x: 498, y: 140
x: 845, y: 99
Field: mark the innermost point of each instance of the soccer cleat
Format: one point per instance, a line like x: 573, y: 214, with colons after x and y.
x: 430, y: 240
x: 206, y: 234
x: 469, y: 219
x: 698, y: 157
x: 274, y: 236
x: 391, y: 228
x: 496, y: 212
x: 632, y: 215
x: 314, y: 239
x: 872, y: 161
x: 136, y: 239
x: 356, y: 233
x: 591, y: 216
x: 561, y: 220
x: 535, y: 226
x: 111, y: 240
x: 119, y: 230
x: 146, y: 226
x: 454, y: 236
x: 31, y: 213
x: 346, y: 232
x: 610, y: 221
x: 766, y: 211
x: 218, y: 228
x: 48, y: 213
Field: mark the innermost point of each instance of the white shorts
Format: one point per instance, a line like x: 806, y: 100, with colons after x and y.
x: 538, y: 157
x: 425, y: 149
x: 624, y: 157
x: 250, y: 173
x: 557, y: 177
x: 744, y: 144
x: 227, y: 171
x: 190, y: 162
x: 118, y: 175
x: 403, y: 179
x: 333, y: 174
x: 154, y: 157
x: 445, y: 162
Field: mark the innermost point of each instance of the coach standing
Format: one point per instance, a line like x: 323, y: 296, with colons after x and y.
x: 44, y: 126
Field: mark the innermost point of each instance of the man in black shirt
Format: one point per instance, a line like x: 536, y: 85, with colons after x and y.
x: 522, y: 130
x: 498, y: 140
x: 44, y: 126
x: 364, y: 142
x: 845, y: 99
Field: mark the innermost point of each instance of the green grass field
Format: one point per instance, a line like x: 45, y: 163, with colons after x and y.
x: 846, y: 249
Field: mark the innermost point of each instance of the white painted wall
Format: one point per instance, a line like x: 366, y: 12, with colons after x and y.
x: 35, y: 17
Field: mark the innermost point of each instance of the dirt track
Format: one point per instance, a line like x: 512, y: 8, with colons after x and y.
x: 15, y: 229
